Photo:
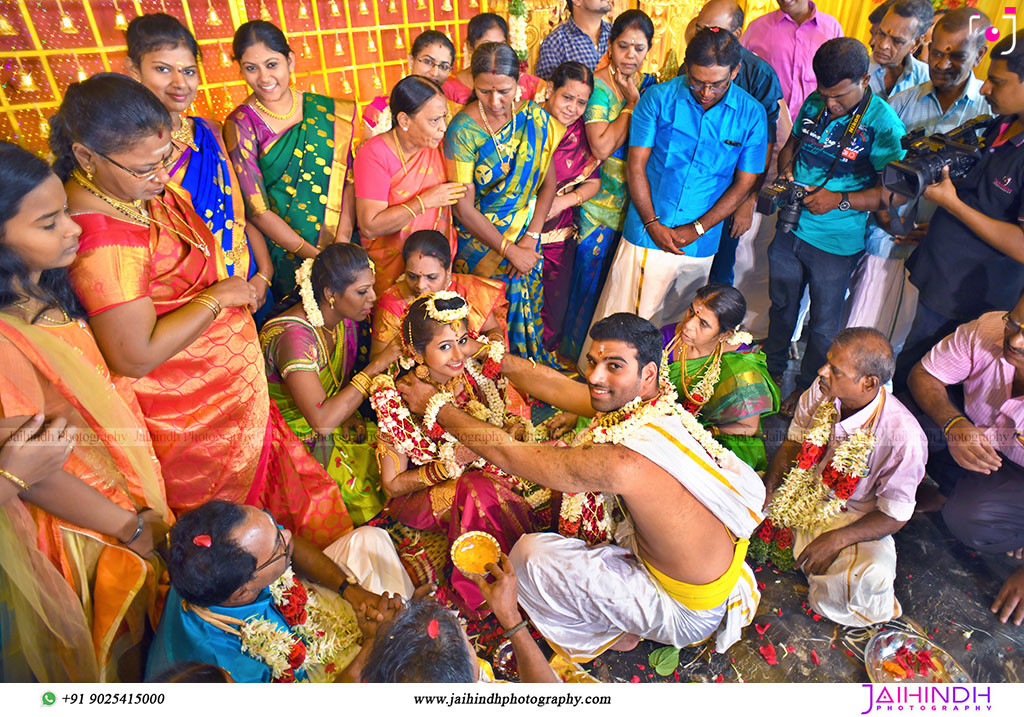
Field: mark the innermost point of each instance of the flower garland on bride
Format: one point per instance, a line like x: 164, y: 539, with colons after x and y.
x: 594, y: 517
x: 806, y: 501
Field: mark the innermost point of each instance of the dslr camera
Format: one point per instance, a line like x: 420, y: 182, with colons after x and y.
x: 785, y: 196
x: 958, y: 149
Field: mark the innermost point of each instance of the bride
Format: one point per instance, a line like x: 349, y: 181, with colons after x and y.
x: 432, y: 482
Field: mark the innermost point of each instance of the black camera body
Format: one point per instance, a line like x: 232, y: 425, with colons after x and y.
x: 958, y: 149
x: 785, y: 196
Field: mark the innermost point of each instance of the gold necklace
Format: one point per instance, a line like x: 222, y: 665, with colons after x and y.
x: 136, y: 212
x: 505, y: 161
x: 274, y: 115
x: 184, y: 135
x: 712, y: 368
x: 63, y: 321
x: 398, y: 146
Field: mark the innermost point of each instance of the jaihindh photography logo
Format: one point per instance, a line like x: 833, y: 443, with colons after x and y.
x: 928, y: 698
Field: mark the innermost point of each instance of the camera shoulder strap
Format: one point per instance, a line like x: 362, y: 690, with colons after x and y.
x: 848, y: 134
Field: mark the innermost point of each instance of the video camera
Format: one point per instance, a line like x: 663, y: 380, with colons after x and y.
x: 958, y: 149
x: 785, y: 196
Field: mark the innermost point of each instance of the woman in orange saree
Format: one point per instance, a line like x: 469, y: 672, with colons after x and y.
x: 428, y: 268
x: 401, y: 186
x: 78, y: 521
x: 165, y: 314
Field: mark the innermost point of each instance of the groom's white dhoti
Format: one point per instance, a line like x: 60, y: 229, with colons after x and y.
x: 583, y: 598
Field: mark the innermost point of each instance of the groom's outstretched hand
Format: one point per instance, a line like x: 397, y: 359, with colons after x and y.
x: 415, y: 392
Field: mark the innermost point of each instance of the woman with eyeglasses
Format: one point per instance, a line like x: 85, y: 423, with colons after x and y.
x: 432, y: 56
x: 165, y: 314
x: 292, y: 152
x: 164, y: 56
x: 483, y: 28
x: 401, y: 180
x: 618, y: 84
x: 81, y: 491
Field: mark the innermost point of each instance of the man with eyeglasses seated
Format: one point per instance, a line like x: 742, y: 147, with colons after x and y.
x: 235, y: 601
x: 697, y: 149
x: 978, y: 458
x: 759, y: 79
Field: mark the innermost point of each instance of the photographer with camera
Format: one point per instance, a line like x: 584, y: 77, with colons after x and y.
x: 841, y: 140
x: 697, y: 147
x: 972, y: 258
x: 881, y: 295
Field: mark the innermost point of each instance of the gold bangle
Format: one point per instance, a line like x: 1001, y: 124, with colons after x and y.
x: 362, y: 383
x: 209, y: 302
x: 533, y: 362
x: 579, y: 197
x: 626, y: 111
x: 505, y: 241
x: 297, y: 249
x: 260, y: 275
x: 409, y: 209
x: 423, y: 207
x: 22, y: 485
x: 952, y: 422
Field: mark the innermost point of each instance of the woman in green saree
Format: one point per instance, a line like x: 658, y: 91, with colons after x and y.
x: 310, y: 351
x: 501, y: 150
x: 292, y: 152
x: 720, y: 377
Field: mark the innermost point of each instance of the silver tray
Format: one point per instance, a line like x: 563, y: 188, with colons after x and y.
x: 883, y: 646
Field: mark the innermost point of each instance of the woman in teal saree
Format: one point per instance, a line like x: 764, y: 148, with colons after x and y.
x: 501, y: 151
x: 292, y: 152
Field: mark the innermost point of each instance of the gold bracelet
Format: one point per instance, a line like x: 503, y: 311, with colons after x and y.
x: 409, y: 209
x: 626, y: 111
x: 579, y: 197
x: 22, y: 485
x: 423, y: 207
x: 209, y: 302
x: 297, y: 249
x: 505, y: 241
x: 260, y: 275
x: 533, y: 362
x: 362, y: 383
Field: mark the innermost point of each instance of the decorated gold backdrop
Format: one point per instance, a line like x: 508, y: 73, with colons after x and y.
x: 346, y: 48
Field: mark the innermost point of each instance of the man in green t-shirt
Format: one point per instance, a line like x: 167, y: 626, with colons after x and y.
x: 822, y: 250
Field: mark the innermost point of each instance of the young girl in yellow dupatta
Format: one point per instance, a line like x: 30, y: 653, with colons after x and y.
x: 502, y: 152
x: 164, y: 56
x: 77, y: 523
x: 292, y: 152
x: 310, y: 351
x: 400, y: 178
x: 165, y: 314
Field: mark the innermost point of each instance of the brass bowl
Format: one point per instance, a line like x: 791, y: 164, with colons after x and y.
x: 473, y: 550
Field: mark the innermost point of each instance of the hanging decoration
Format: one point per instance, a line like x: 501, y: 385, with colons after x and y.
x: 120, y: 23
x: 212, y: 18
x: 334, y: 11
x: 67, y: 25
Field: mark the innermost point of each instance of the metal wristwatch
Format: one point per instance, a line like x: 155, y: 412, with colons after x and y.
x: 699, y: 228
x: 844, y: 201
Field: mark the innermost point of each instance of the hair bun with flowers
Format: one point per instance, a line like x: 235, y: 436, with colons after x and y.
x: 446, y: 316
x: 304, y: 282
x: 740, y: 337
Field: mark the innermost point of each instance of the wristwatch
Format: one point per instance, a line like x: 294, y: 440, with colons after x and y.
x: 844, y: 201
x: 699, y: 228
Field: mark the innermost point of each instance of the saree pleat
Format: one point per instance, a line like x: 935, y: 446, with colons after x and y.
x: 506, y: 186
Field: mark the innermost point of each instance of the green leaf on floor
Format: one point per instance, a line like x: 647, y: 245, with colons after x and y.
x: 664, y: 660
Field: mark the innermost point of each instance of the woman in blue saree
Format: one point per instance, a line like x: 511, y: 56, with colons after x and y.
x: 501, y: 151
x: 163, y: 56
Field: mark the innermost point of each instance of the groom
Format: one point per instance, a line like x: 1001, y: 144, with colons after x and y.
x: 672, y: 577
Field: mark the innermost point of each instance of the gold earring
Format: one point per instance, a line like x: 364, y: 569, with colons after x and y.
x: 330, y: 301
x: 88, y: 172
x: 422, y: 372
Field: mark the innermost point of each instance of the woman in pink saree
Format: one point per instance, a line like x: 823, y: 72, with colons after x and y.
x: 433, y: 483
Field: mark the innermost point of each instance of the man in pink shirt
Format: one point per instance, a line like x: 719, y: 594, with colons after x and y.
x: 980, y: 465
x: 850, y: 559
x: 787, y: 40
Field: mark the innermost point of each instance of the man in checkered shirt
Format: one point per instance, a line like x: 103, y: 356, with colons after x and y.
x: 581, y: 38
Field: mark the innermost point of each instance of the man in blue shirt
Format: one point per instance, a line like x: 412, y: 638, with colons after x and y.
x: 759, y: 79
x: 880, y: 293
x: 822, y: 250
x: 900, y: 33
x: 582, y: 38
x: 696, y: 149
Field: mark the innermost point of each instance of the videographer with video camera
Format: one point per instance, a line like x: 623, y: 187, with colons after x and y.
x: 842, y: 138
x: 972, y: 258
x: 881, y: 295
